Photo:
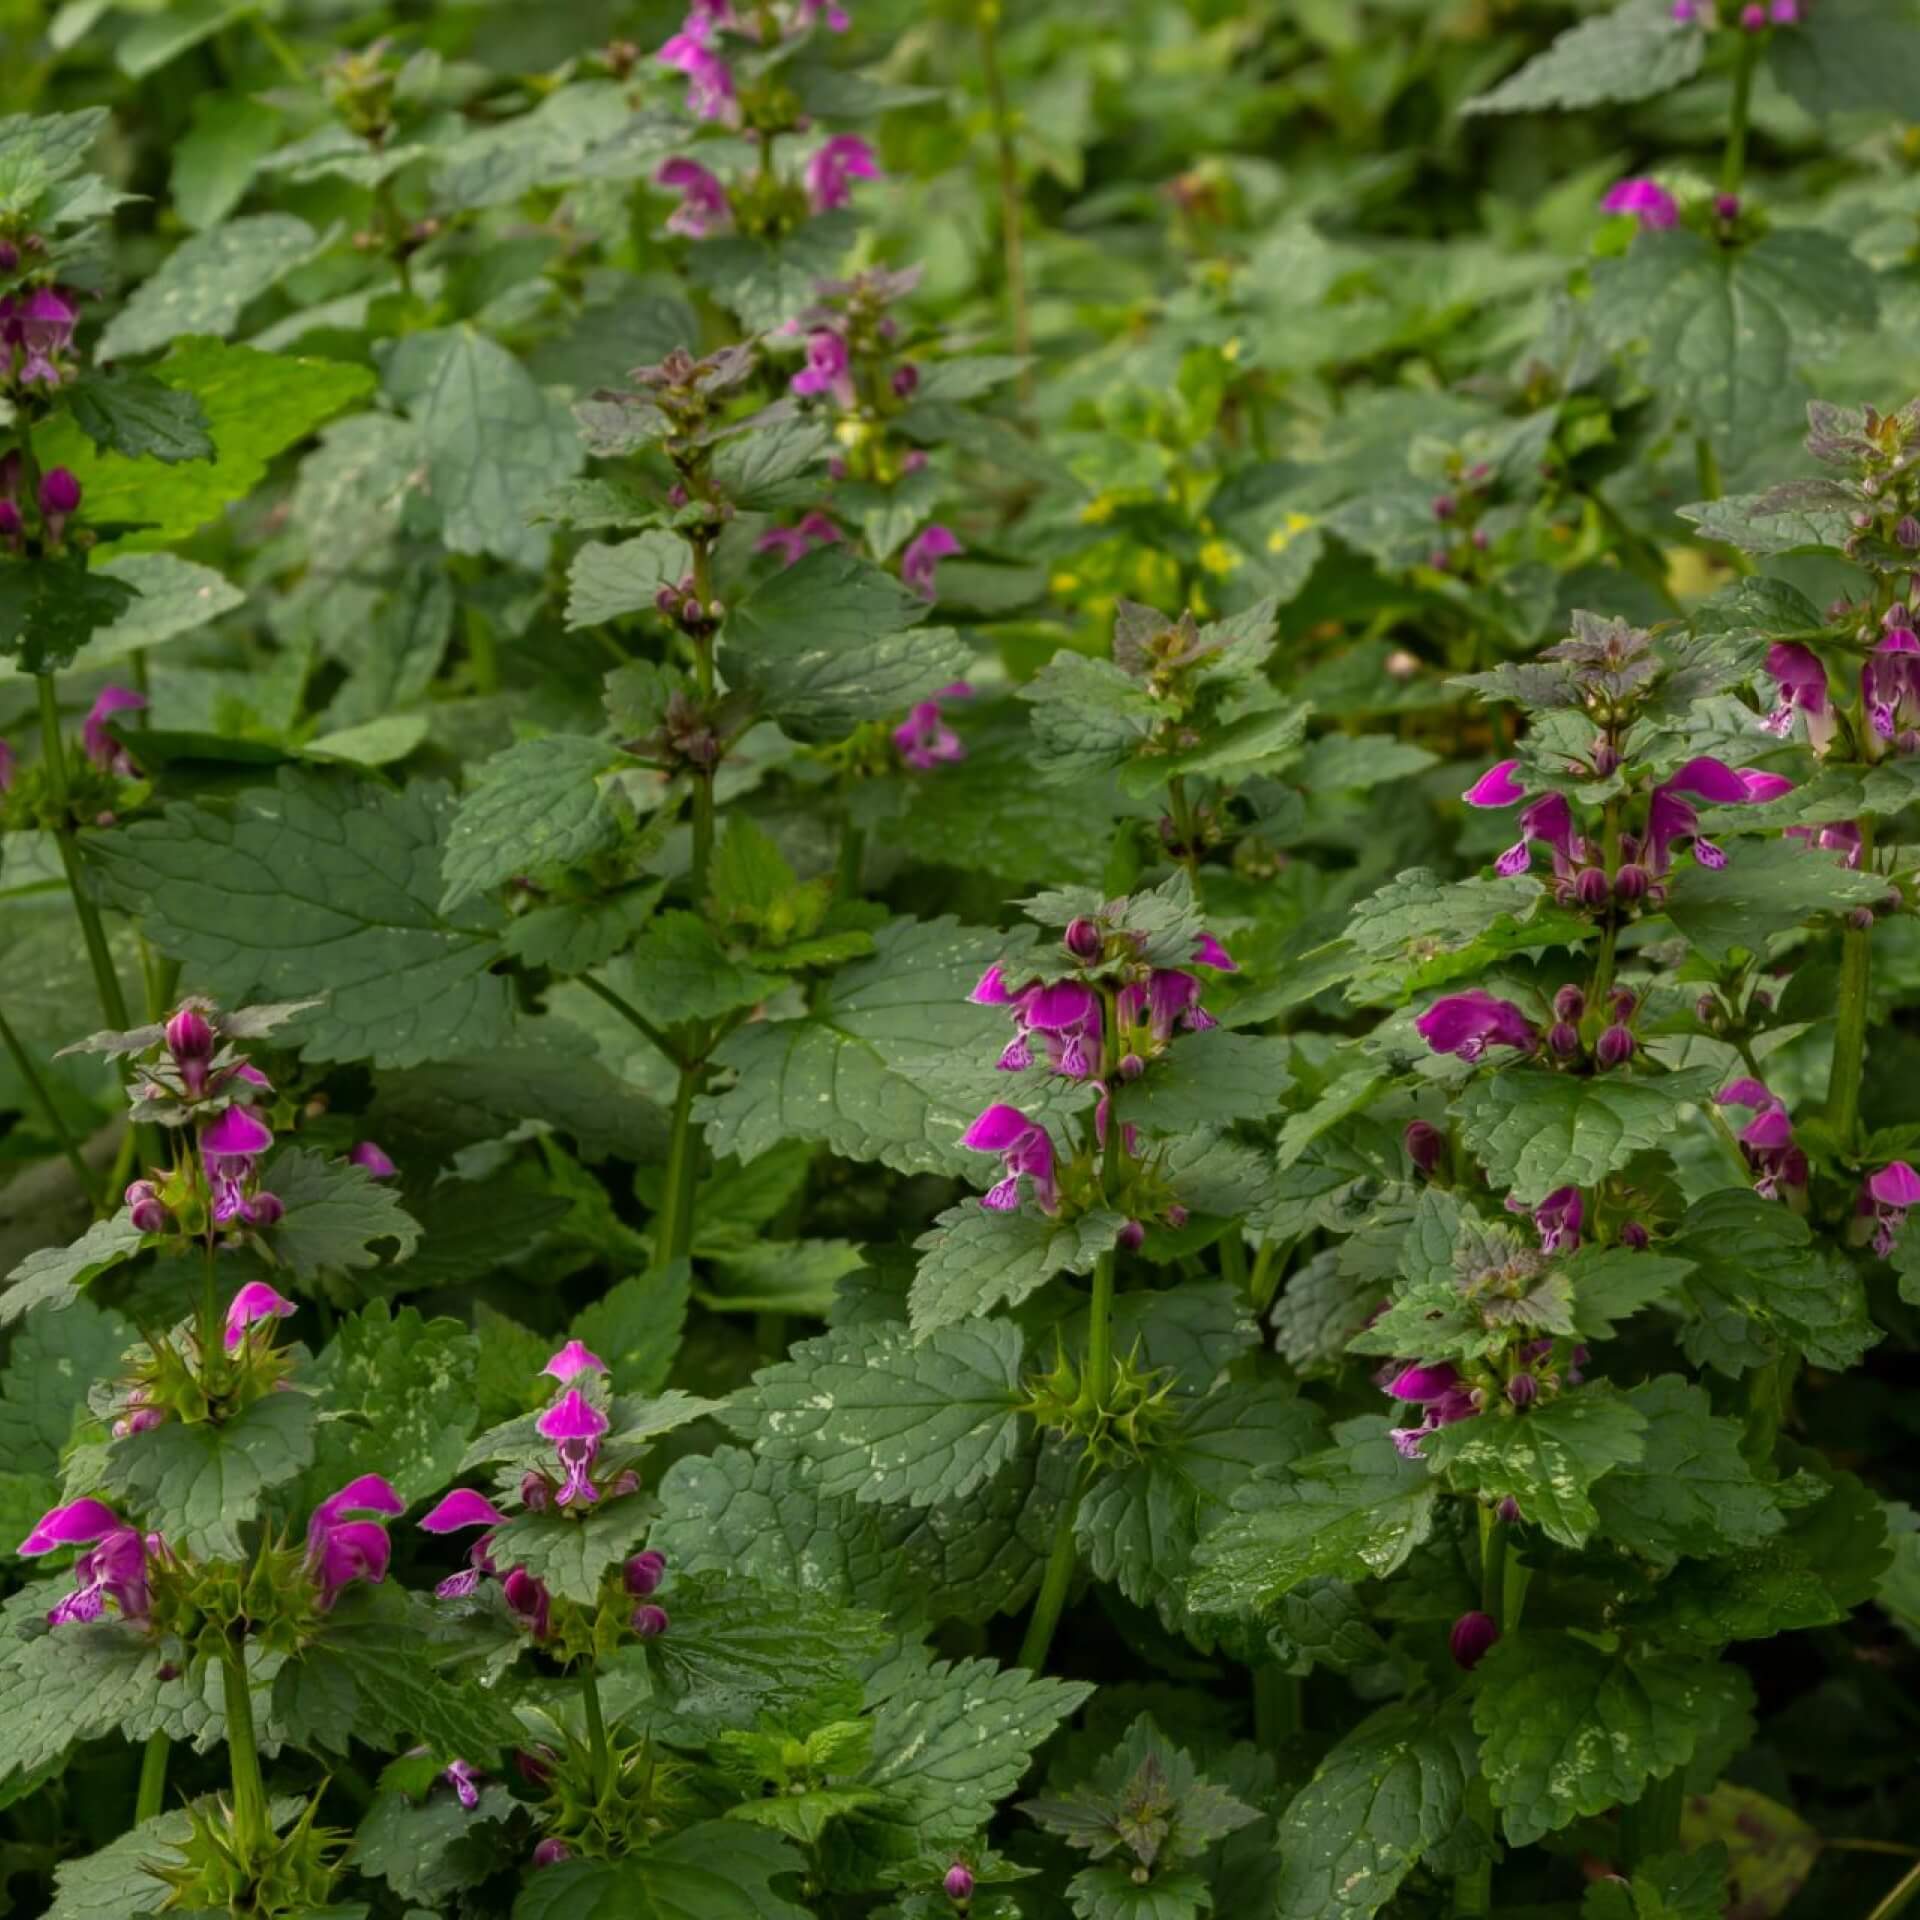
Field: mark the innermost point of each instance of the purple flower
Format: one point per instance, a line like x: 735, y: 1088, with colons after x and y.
x: 230, y: 1145
x: 1438, y: 1390
x: 461, y: 1508
x: 551, y: 1851
x: 924, y: 552
x: 464, y: 1782
x: 1208, y: 952
x: 340, y: 1550
x: 41, y: 325
x: 59, y: 501
x: 1762, y: 786
x: 923, y: 739
x: 98, y: 744
x: 145, y: 1209
x: 832, y: 171
x: 643, y: 1573
x: 1496, y: 787
x: 958, y: 1884
x: 795, y: 543
x: 1890, y: 680
x: 1766, y: 1139
x: 1548, y: 820
x: 1801, y: 678
x: 74, y: 1525
x: 827, y: 368
x: 1647, y: 200
x: 1026, y: 1149
x: 528, y: 1601
x: 191, y: 1042
x: 1557, y: 1219
x: 255, y: 1301
x: 1842, y: 837
x: 115, y: 1570
x: 237, y: 1134
x: 574, y: 1425
x: 991, y: 989
x: 574, y: 1358
x: 709, y: 80
x: 1670, y: 818
x: 1888, y: 1194
x: 1067, y: 1016
x: 1473, y: 1634
x: 1421, y: 1385
x: 1426, y: 1145
x: 649, y: 1622
x: 1469, y: 1023
x: 704, y: 207
x: 367, y: 1154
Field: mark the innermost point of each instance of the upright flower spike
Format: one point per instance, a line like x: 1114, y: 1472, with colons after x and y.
x: 1468, y: 1024
x: 832, y: 171
x: 574, y: 1425
x: 1026, y: 1150
x: 704, y: 207
x: 341, y: 1550
x: 920, y: 562
x: 575, y: 1358
x: 254, y: 1302
x: 1647, y: 200
x: 96, y: 742
x: 1889, y: 1193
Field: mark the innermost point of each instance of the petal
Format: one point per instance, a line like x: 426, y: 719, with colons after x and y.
x: 575, y: 1357
x: 572, y: 1417
x: 371, y: 1493
x: 997, y: 1129
x: 1896, y: 1185
x: 461, y: 1508
x: 72, y: 1525
x: 1496, y: 787
x: 1709, y: 779
x: 237, y: 1133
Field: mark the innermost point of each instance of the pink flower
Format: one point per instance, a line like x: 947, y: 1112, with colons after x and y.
x: 832, y: 171
x: 574, y: 1358
x: 367, y: 1155
x: 1888, y: 1194
x: 1649, y: 202
x: 1468, y: 1023
x: 340, y: 1550
x: 710, y: 94
x: 98, y: 744
x: 1026, y: 1150
x: 1767, y: 1139
x: 704, y: 207
x: 1557, y: 1219
x: 574, y: 1425
x: 1801, y: 678
x: 1496, y: 787
x: 255, y: 1301
x: 827, y: 369
x: 923, y: 739
x: 924, y: 552
x: 795, y: 543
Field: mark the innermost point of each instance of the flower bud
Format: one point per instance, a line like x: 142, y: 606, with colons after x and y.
x: 189, y: 1035
x: 1083, y: 939
x: 1569, y: 1004
x: 1753, y: 17
x: 551, y: 1851
x: 266, y: 1209
x: 644, y: 1572
x: 1621, y: 1003
x: 536, y: 1495
x: 1614, y: 1048
x: 1131, y: 1237
x: 535, y: 1765
x: 1131, y: 1066
x: 1563, y: 1039
x: 1176, y: 1215
x: 1523, y: 1390
x: 906, y: 380
x: 1426, y: 1145
x: 144, y: 1208
x: 1591, y: 889
x: 59, y: 493
x: 1727, y: 206
x: 1707, y: 1010
x: 1603, y: 755
x: 1860, y: 919
x: 1634, y: 1236
x: 1908, y: 532
x: 1508, y: 1510
x: 958, y: 1883
x: 649, y: 1621
x: 1445, y: 506
x: 1630, y: 884
x: 1473, y: 1634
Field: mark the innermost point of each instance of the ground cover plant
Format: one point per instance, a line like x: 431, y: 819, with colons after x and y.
x: 959, y: 960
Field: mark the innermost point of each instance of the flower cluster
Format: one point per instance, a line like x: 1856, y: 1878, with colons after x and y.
x: 1885, y: 1196
x: 923, y: 739
x: 114, y: 1568
x: 1766, y: 1140
x: 36, y: 339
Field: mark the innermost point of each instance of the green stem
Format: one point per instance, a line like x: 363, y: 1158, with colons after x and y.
x: 1900, y: 1898
x: 1263, y: 1280
x: 1277, y: 1713
x: 1233, y: 1258
x: 1733, y: 166
x: 1100, y: 1332
x: 37, y: 1088
x: 596, y: 1731
x: 482, y: 655
x: 153, y: 1778
x: 1651, y: 1826
x: 250, y: 1823
x: 275, y: 44
x: 673, y: 1228
x: 1051, y: 1600
x: 1769, y: 1393
x: 1012, y: 206
x: 633, y: 1017
x: 1473, y: 1892
x: 113, y: 1002
x: 853, y: 851
x: 1850, y: 1021
x: 1493, y: 1567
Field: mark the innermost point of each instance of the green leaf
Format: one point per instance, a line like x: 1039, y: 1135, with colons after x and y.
x: 1089, y: 716
x: 1207, y: 1079
x: 766, y: 283
x: 608, y: 582
x: 1691, y: 1492
x: 114, y: 1882
x: 336, y: 1213
x: 1569, y: 1730
x: 495, y: 445
x: 889, y: 1420
x: 718, y: 1870
x: 324, y: 887
x: 1670, y: 1886
x: 401, y: 1390
x: 1390, y: 1791
x: 135, y: 414
x: 571, y: 1549
x: 575, y: 936
x: 171, y: 31
x: 1632, y: 53
x: 1850, y: 56
x: 51, y: 607
x: 52, y: 1361
x: 1111, y: 1893
x: 539, y: 805
x: 255, y: 405
x: 1547, y: 1459
x: 1726, y: 327
x: 893, y: 1064
x: 1138, y: 1526
x: 39, y: 150
x: 635, y: 1328
x: 1766, y: 887
x: 677, y: 971
x: 973, y: 1259
x: 199, y: 1484
x: 1811, y: 516
x: 1760, y: 1284
x: 54, y: 1275
x: 213, y: 164
x: 1356, y: 1511
x: 206, y: 282
x: 832, y: 641
x: 431, y: 1849
x: 769, y: 466
x: 74, y: 1684
x: 174, y: 597
x: 1535, y: 1131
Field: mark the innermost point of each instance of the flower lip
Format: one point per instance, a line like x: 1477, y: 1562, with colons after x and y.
x: 572, y: 1417
x: 1496, y: 787
x: 1065, y: 1004
x: 239, y: 1133
x: 1709, y: 779
x: 76, y: 1524
x: 463, y: 1507
x: 255, y: 1301
x: 1895, y: 1185
x: 997, y: 1129
x: 1208, y: 952
x: 1419, y: 1384
x: 370, y: 1493
x: 575, y: 1357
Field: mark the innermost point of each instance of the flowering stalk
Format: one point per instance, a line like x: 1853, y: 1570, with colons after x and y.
x: 1850, y: 1022
x: 987, y: 18
x: 153, y: 1778
x: 250, y: 1824
x: 596, y: 1729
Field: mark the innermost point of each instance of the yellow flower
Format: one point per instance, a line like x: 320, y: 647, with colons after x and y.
x: 1282, y: 537
x: 1218, y: 557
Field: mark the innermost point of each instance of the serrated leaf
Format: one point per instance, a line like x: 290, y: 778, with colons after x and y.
x: 1632, y: 53
x: 571, y: 1549
x: 1389, y: 1792
x: 1536, y: 1131
x: 51, y: 607
x: 608, y: 582
x: 206, y: 282
x: 718, y: 1870
x: 1356, y: 1511
x: 319, y: 887
x: 1568, y: 1730
x: 1547, y: 1459
x: 974, y: 1259
x: 677, y: 970
x: 889, y: 1420
x: 1089, y: 716
x: 539, y: 805
x: 1670, y: 1886
x: 574, y: 936
x: 51, y: 1362
x: 431, y: 1849
x: 135, y: 414
x: 1853, y: 55
x: 766, y: 283
x: 200, y: 1484
x: 768, y: 467
x: 1766, y: 887
x: 53, y: 1276
x: 1207, y: 1079
x: 336, y: 1215
x: 635, y: 1328
x: 175, y: 596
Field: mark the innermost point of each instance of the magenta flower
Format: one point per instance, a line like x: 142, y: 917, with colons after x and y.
x: 643, y: 1573
x: 1801, y: 678
x: 1842, y: 837
x: 574, y: 1425
x: 836, y: 16
x: 1066, y: 1015
x: 991, y: 989
x: 42, y: 325
x: 238, y: 1133
x: 704, y: 207
x: 1761, y: 785
x: 1647, y: 200
x: 795, y: 543
x: 1670, y: 818
x: 710, y: 94
x: 1420, y: 1385
x: 648, y: 1621
x: 551, y: 1851
x: 341, y: 1550
x: 145, y: 1209
x: 115, y: 1570
x: 827, y: 369
x: 528, y: 1602
x: 191, y: 1042
x: 1441, y: 1394
x: 1496, y: 787
x: 1025, y: 1148
x: 459, y: 1509
x: 1890, y: 680
x: 1547, y: 821
x: 1557, y: 1219
x: 920, y: 563
x: 574, y: 1358
x: 1887, y: 1195
x: 465, y: 1783
x: 76, y: 1524
x: 1472, y: 1637
x: 366, y: 1154
x: 231, y: 1145
x: 99, y: 745
x: 1767, y: 1139
x: 1469, y: 1023
x: 255, y: 1301
x: 832, y: 171
x: 1208, y: 952
x: 923, y: 739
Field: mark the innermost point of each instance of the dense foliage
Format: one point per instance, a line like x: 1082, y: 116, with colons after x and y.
x: 959, y: 962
